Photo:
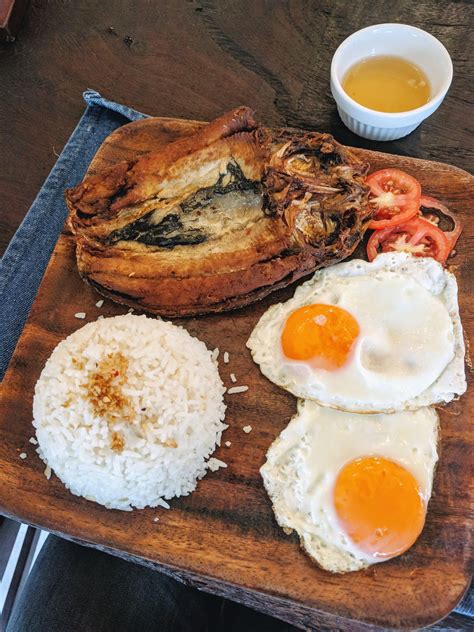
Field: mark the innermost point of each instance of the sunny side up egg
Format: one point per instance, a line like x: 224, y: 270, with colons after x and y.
x: 354, y: 487
x: 367, y: 337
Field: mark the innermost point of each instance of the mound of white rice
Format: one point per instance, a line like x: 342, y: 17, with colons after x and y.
x: 128, y: 410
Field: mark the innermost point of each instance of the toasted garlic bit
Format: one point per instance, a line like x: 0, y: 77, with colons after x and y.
x: 170, y: 443
x: 117, y: 442
x: 104, y: 392
x: 104, y: 387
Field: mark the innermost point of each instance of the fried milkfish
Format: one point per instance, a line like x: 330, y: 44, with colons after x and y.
x: 219, y: 219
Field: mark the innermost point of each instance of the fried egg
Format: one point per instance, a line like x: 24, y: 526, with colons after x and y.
x: 367, y: 337
x: 354, y: 487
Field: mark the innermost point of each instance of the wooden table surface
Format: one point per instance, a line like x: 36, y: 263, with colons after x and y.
x: 195, y: 59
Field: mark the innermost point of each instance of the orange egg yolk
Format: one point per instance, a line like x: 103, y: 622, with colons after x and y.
x: 379, y: 505
x: 323, y: 334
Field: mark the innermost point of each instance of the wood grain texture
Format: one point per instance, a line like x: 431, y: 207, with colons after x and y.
x: 195, y: 59
x: 223, y: 537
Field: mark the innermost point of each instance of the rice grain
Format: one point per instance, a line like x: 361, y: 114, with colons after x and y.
x: 237, y: 389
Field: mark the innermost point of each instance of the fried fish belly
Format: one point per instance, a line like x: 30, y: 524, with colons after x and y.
x: 219, y: 219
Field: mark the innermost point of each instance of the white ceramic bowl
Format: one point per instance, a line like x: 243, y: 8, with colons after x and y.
x: 400, y: 40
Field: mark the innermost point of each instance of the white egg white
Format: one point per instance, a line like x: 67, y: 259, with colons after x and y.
x: 410, y: 348
x: 303, y: 462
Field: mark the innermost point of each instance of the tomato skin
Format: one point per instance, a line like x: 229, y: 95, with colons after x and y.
x: 427, y: 202
x: 374, y: 242
x: 396, y: 196
x: 422, y: 238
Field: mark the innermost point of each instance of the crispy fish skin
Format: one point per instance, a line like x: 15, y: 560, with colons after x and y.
x: 220, y: 219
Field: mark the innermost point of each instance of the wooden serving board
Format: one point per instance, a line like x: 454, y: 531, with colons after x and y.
x: 223, y: 537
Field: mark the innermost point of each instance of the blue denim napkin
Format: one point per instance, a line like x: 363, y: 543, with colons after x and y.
x: 28, y: 254
x: 23, y: 264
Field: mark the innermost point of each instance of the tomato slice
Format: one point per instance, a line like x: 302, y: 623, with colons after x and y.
x: 395, y: 196
x: 418, y: 236
x: 435, y: 212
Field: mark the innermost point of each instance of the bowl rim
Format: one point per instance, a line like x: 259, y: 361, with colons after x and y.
x: 391, y: 116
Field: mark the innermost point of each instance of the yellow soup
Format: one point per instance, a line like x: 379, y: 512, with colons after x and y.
x: 387, y: 84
